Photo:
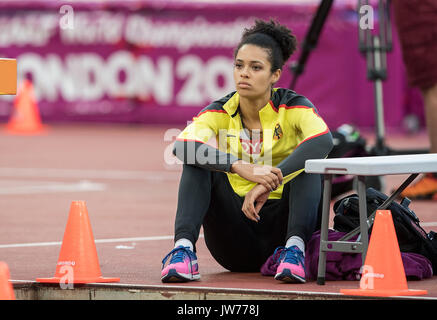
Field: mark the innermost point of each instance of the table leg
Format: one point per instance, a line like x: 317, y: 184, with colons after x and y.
x: 383, y: 206
x: 362, y: 200
x: 392, y: 197
x: 327, y: 181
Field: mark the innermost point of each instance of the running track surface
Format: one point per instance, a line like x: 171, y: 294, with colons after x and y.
x: 131, y: 195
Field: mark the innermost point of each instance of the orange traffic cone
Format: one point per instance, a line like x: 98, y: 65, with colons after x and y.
x: 25, y: 118
x: 383, y: 272
x: 6, y: 290
x: 78, y: 261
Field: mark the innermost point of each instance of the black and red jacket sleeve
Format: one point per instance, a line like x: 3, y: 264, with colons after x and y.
x: 195, y: 144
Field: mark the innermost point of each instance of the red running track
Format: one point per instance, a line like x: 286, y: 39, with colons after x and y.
x: 131, y: 196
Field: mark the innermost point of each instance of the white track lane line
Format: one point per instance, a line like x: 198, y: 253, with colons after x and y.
x: 428, y: 224
x: 115, y: 240
x: 33, y: 187
x: 91, y: 174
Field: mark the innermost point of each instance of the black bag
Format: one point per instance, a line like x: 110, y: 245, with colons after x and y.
x: 348, y: 142
x: 411, y: 236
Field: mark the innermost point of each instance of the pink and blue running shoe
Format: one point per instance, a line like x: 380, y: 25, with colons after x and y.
x: 291, y: 266
x: 182, y: 266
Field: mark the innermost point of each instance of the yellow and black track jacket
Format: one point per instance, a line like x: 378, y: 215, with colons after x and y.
x: 292, y: 132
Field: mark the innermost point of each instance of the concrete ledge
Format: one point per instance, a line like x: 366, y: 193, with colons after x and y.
x: 28, y: 290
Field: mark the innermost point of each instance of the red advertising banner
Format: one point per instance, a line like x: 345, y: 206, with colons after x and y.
x: 163, y: 61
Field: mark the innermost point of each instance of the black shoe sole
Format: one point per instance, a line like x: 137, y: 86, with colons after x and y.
x: 288, y: 277
x: 173, y: 276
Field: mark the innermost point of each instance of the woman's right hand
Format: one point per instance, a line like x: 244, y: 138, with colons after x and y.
x: 270, y: 177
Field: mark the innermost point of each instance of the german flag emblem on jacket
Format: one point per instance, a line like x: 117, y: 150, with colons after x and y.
x: 278, y: 132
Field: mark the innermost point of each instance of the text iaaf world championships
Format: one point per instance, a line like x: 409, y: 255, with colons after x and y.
x: 144, y: 76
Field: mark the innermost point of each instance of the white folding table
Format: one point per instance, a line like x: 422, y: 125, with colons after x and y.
x: 362, y: 167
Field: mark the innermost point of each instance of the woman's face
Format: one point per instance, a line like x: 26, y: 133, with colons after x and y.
x: 252, y: 72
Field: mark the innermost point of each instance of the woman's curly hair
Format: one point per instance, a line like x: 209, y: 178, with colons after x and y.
x: 276, y: 38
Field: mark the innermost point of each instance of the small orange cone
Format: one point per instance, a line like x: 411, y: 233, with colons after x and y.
x: 78, y: 261
x: 25, y: 118
x: 6, y: 290
x: 383, y: 272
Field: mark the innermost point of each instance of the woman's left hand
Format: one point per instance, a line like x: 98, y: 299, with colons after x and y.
x: 258, y: 194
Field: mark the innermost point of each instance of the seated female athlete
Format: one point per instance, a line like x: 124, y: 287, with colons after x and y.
x: 250, y: 192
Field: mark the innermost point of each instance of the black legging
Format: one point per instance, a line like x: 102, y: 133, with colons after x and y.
x: 237, y: 243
